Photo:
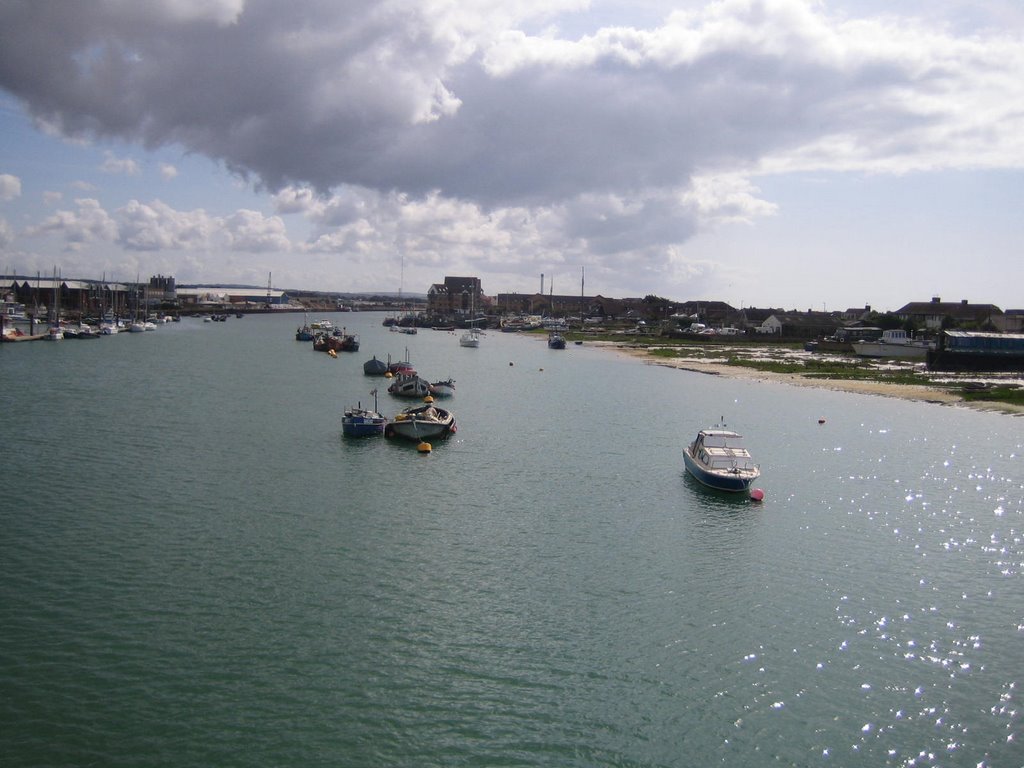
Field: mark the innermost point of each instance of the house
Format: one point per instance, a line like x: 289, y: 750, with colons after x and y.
x: 936, y: 314
x: 456, y: 296
x: 710, y: 313
x: 800, y: 325
x: 1011, y: 321
x: 855, y: 314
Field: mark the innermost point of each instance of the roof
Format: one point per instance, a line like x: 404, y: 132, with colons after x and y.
x: 950, y: 308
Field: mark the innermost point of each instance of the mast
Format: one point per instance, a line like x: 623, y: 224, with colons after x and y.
x: 583, y: 280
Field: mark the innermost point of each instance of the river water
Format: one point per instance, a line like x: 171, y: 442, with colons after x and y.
x: 198, y: 570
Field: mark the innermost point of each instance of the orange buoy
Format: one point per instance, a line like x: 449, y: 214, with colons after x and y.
x: 757, y: 494
x: 424, y: 447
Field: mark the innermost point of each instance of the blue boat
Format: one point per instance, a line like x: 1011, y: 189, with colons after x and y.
x: 718, y: 459
x: 362, y: 422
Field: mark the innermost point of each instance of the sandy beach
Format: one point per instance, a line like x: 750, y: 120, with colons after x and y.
x: 921, y: 393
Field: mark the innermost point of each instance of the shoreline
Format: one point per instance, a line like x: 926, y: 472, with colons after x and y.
x: 916, y: 392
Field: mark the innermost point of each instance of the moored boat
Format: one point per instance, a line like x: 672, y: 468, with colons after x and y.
x: 894, y: 343
x: 444, y: 388
x: 421, y: 422
x: 470, y: 338
x: 409, y: 385
x: 556, y: 340
x: 375, y: 367
x: 363, y: 422
x: 718, y: 459
x: 978, y: 351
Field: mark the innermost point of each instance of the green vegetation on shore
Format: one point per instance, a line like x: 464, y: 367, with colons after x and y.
x: 791, y: 359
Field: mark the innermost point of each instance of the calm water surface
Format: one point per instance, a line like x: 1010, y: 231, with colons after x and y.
x: 198, y: 570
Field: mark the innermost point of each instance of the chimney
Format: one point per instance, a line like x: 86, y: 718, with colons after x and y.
x: 963, y: 302
x: 936, y: 300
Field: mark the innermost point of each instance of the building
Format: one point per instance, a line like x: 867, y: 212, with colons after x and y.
x: 937, y: 314
x: 455, y: 297
x: 800, y: 325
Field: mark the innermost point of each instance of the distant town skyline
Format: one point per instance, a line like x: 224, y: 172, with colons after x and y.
x: 788, y: 153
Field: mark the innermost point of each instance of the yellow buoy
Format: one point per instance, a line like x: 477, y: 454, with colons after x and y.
x: 332, y: 353
x: 428, y: 399
x: 389, y: 375
x: 424, y: 447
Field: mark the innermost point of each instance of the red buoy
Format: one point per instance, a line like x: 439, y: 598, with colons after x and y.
x: 756, y: 494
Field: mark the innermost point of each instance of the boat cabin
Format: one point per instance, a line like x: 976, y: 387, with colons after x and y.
x: 722, y: 450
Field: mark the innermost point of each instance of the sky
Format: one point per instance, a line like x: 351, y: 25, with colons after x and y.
x: 796, y: 154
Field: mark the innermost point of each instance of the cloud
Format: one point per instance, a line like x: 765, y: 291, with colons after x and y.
x: 481, y: 133
x: 388, y: 96
x: 168, y: 171
x: 119, y: 166
x: 87, y: 224
x: 6, y: 234
x: 10, y: 187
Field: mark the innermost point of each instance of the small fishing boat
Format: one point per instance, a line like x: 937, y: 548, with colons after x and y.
x: 556, y: 340
x: 375, y: 367
x: 444, y: 388
x: 409, y: 385
x: 363, y: 422
x: 718, y: 459
x: 421, y: 422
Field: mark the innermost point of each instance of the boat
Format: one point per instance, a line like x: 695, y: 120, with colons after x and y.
x: 718, y: 459
x: 16, y: 334
x: 978, y: 351
x: 409, y: 385
x: 470, y: 338
x: 363, y: 422
x: 375, y: 367
x: 421, y: 422
x: 444, y: 388
x: 556, y: 340
x: 894, y: 343
x: 349, y: 342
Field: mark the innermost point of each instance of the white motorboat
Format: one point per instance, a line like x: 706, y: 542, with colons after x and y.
x: 470, y: 338
x: 894, y: 343
x: 718, y: 459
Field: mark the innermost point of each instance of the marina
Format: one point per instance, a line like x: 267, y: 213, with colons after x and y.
x: 217, y: 576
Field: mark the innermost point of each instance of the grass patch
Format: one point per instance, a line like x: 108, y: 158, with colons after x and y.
x: 1011, y: 395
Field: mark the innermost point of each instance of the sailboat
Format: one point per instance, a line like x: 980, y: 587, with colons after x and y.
x: 471, y: 338
x: 55, y: 332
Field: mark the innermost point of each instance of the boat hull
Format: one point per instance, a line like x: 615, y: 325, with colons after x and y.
x: 409, y: 385
x: 375, y: 367
x: 732, y: 481
x: 881, y: 349
x: 362, y: 424
x: 422, y: 423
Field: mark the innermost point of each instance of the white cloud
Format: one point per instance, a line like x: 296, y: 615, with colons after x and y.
x: 168, y: 171
x: 123, y: 166
x: 6, y: 234
x: 10, y: 187
x: 87, y: 224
